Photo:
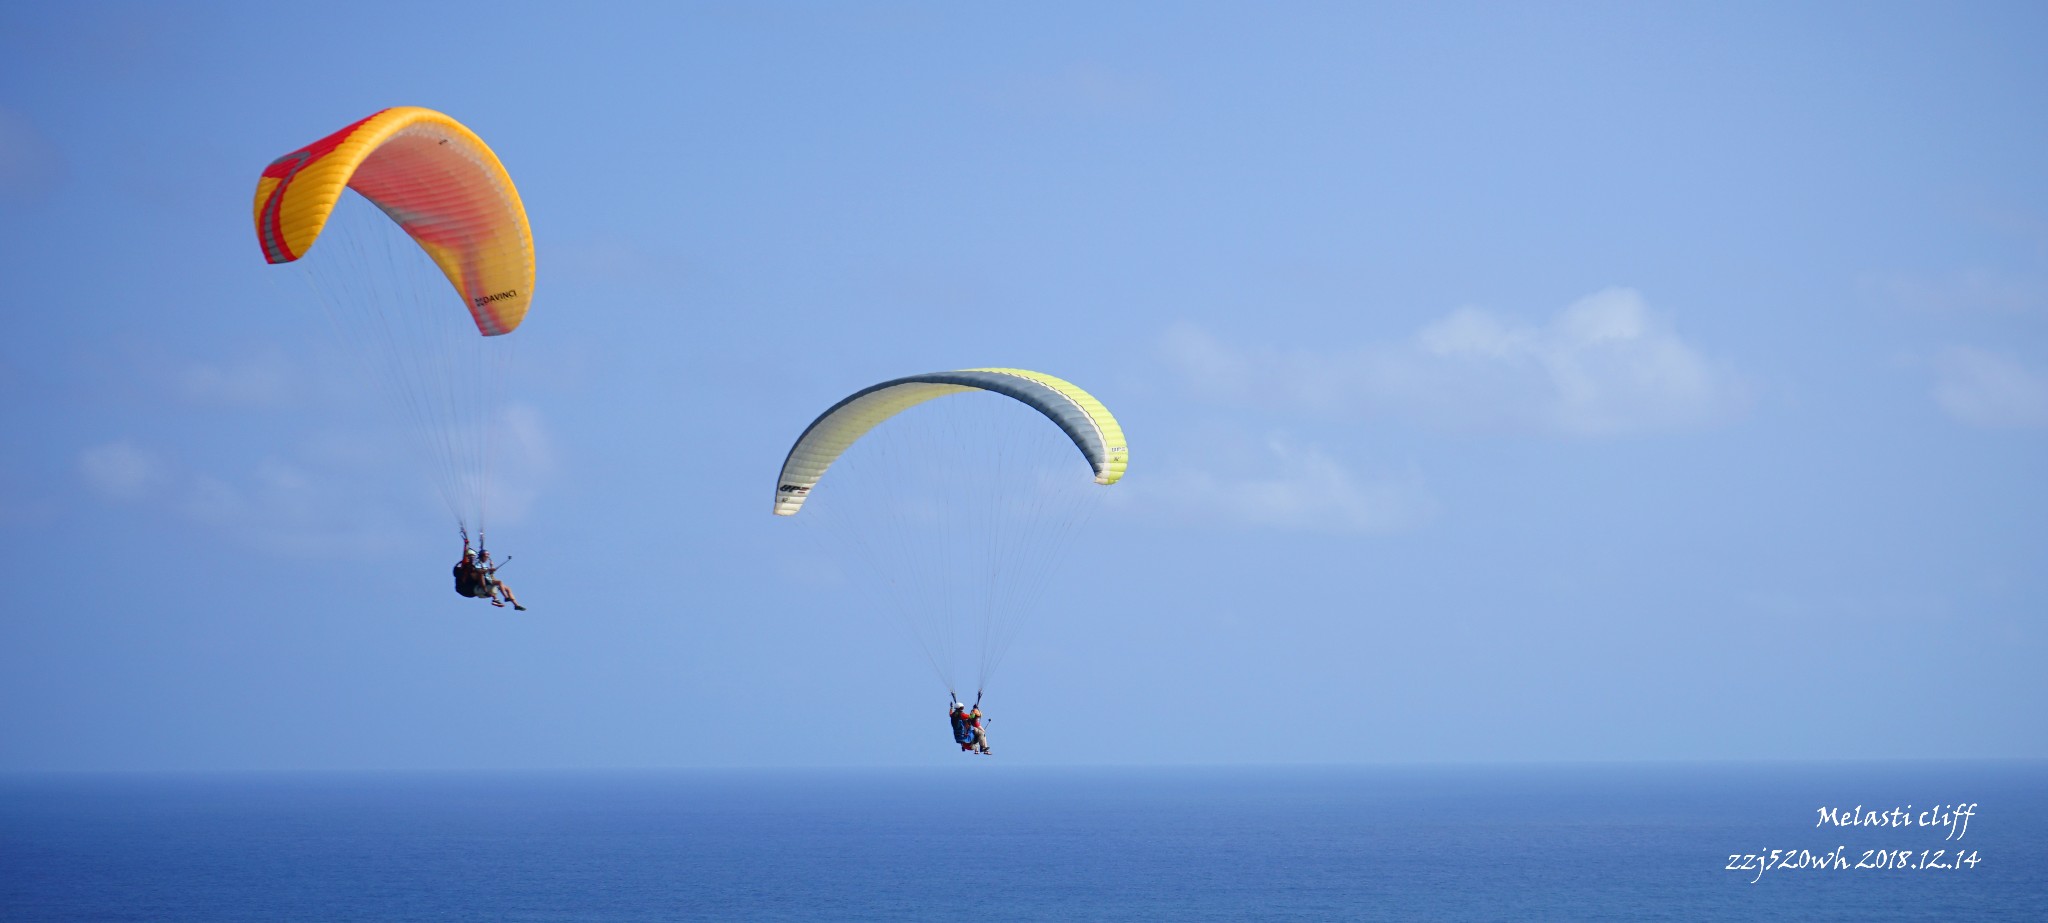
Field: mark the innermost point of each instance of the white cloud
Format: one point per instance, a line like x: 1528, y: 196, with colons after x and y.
x: 1976, y: 290
x: 525, y: 457
x: 1102, y: 88
x: 611, y: 259
x: 121, y: 471
x: 275, y: 492
x: 1084, y: 87
x: 1284, y: 486
x: 30, y: 165
x: 1986, y: 389
x: 334, y: 493
x: 262, y: 380
x: 278, y: 505
x: 285, y: 509
x: 1605, y: 364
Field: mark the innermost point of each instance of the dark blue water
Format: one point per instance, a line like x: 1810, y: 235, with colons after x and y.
x: 984, y: 842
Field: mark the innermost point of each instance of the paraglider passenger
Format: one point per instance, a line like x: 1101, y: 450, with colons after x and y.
x: 494, y: 589
x: 967, y: 730
x: 980, y: 734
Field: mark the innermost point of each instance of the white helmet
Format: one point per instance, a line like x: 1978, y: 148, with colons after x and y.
x: 957, y: 706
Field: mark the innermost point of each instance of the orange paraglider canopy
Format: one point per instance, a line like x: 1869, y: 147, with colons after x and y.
x: 432, y: 176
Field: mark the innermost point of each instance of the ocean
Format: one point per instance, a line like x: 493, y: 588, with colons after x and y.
x: 983, y: 841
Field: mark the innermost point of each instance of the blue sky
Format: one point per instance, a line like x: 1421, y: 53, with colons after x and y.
x: 1504, y: 382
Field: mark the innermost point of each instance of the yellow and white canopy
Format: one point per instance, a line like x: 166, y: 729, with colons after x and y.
x: 1089, y: 424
